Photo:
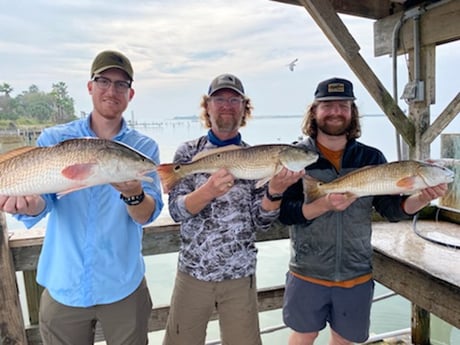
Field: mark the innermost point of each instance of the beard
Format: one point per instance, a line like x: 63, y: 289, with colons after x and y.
x: 336, y: 128
x: 227, y: 124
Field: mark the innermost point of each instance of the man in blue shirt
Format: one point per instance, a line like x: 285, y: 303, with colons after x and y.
x: 91, y: 263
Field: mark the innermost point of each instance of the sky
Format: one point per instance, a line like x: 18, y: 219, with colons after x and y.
x: 178, y: 46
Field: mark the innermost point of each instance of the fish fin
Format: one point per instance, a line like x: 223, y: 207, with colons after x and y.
x: 206, y: 153
x: 70, y: 190
x: 168, y: 175
x: 262, y: 182
x: 16, y: 152
x: 311, y: 188
x: 78, y: 171
x: 406, y: 182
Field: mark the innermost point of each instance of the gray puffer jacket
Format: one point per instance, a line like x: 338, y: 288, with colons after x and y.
x: 337, y: 245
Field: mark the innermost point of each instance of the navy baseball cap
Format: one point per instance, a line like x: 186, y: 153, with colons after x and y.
x: 334, y: 89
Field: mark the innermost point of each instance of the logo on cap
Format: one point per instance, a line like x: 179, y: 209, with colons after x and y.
x: 336, y: 87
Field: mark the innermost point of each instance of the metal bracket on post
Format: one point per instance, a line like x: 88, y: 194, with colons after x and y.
x: 414, y: 91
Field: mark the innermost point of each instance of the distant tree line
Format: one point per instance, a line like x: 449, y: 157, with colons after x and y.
x: 35, y: 106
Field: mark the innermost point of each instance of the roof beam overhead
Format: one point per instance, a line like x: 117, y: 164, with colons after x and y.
x: 445, y: 12
x: 372, y: 9
x: 333, y: 27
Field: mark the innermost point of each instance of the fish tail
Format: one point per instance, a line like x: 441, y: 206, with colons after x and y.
x: 311, y: 188
x: 168, y: 176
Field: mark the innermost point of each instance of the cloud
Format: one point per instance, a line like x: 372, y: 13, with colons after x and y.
x: 177, y: 47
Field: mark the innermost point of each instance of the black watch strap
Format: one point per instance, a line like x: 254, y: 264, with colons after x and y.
x: 273, y: 197
x: 133, y: 200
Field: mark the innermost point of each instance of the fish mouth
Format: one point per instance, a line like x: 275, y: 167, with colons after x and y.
x: 146, y: 171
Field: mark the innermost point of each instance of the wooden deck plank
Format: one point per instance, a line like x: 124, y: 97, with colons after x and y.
x: 426, y: 273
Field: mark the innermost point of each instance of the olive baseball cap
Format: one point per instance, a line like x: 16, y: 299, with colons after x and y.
x: 334, y: 89
x: 226, y: 81
x: 111, y: 59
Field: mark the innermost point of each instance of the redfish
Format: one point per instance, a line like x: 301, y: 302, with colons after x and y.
x: 71, y: 165
x: 400, y: 177
x: 258, y: 162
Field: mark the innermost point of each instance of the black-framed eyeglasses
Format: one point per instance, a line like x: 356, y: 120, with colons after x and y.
x: 104, y: 83
x: 220, y: 101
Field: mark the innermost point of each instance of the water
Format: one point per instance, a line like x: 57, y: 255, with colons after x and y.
x: 273, y: 257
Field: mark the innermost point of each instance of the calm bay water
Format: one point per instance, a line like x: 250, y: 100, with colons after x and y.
x: 273, y: 257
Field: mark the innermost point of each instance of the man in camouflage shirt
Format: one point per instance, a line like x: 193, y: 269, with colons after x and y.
x: 219, y: 217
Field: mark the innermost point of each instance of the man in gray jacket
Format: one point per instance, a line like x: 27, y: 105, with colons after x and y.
x: 330, y: 276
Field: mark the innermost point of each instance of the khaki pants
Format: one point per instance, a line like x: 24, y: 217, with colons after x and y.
x: 124, y: 322
x: 193, y: 302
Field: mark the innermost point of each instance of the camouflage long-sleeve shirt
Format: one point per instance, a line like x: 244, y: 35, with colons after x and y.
x: 219, y: 242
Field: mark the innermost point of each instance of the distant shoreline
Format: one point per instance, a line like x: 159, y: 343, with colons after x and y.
x: 196, y: 118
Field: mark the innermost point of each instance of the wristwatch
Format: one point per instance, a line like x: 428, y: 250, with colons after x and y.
x: 133, y: 200
x: 273, y: 197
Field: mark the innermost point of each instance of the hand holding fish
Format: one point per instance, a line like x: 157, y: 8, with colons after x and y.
x: 419, y: 200
x: 278, y: 184
x: 338, y: 201
x: 281, y: 181
x: 219, y: 183
x: 326, y: 203
x: 30, y: 205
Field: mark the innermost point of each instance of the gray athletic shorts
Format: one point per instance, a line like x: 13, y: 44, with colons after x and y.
x: 307, y: 307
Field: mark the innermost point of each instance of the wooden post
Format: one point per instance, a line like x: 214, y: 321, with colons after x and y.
x: 420, y: 326
x: 33, y: 293
x: 450, y: 148
x: 12, y: 329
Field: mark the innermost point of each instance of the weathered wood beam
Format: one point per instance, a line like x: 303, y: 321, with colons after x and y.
x: 12, y: 330
x: 443, y: 120
x: 418, y: 287
x: 420, y: 326
x: 372, y: 9
x: 431, y: 31
x: 419, y: 110
x: 336, y: 31
x: 158, y: 239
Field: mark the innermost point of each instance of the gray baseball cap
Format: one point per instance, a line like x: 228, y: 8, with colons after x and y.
x: 226, y: 81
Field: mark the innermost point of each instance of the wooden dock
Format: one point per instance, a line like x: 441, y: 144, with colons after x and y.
x: 422, y: 271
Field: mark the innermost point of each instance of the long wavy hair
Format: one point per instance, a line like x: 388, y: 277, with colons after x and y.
x: 204, y: 116
x: 310, y: 127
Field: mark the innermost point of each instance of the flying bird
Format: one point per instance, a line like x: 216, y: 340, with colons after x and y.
x: 292, y: 64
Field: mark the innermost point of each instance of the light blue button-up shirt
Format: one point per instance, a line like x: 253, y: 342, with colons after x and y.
x: 92, y: 249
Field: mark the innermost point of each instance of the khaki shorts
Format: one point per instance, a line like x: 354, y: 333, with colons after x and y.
x: 124, y: 322
x: 193, y: 301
